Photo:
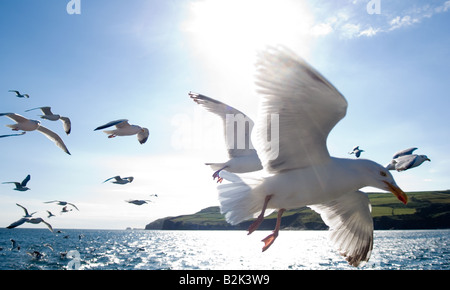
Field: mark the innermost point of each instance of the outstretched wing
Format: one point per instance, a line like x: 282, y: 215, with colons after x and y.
x: 237, y: 134
x: 307, y: 107
x: 54, y: 137
x: 118, y: 123
x: 351, y: 225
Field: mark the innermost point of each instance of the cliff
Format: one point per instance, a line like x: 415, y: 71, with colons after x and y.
x: 425, y: 210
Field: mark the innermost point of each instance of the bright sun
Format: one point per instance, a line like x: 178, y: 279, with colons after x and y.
x: 230, y: 32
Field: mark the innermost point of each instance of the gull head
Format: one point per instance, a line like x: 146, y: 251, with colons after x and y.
x: 381, y: 178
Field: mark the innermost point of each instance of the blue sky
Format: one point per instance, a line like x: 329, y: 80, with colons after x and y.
x: 138, y: 60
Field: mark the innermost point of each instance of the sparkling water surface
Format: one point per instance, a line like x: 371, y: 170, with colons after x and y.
x: 212, y: 250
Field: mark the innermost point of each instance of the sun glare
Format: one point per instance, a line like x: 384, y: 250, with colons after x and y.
x: 230, y: 32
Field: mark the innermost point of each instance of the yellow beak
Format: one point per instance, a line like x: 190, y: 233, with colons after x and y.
x: 397, y: 192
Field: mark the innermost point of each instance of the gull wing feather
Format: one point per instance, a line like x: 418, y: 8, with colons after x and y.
x: 25, y: 181
x: 351, y: 225
x: 405, y: 162
x: 17, y: 223
x: 408, y: 151
x: 307, y: 106
x: 118, y: 123
x: 67, y: 125
x: 24, y: 209
x: 54, y: 137
x: 222, y: 110
x: 143, y: 135
x: 15, y: 117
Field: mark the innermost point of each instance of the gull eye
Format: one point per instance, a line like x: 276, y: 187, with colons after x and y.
x: 382, y: 173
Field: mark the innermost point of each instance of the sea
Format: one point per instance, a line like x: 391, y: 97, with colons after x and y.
x: 80, y: 249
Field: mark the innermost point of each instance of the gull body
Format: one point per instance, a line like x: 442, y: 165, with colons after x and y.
x: 25, y: 124
x: 241, y: 160
x: 123, y: 128
x: 302, y: 172
x: 31, y: 221
x: 48, y: 115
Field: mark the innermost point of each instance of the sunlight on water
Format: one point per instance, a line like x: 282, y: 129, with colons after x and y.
x: 216, y: 250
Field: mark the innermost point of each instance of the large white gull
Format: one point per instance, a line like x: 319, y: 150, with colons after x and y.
x: 242, y: 155
x: 48, y: 115
x: 123, y: 128
x: 404, y: 160
x: 303, y: 173
x: 25, y: 124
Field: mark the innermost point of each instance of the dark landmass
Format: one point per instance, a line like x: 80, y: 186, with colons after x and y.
x: 425, y: 210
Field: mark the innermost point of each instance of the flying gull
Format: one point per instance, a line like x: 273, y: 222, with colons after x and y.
x: 138, y: 201
x: 31, y: 221
x: 356, y: 151
x: 119, y: 180
x: 62, y: 203
x: 123, y: 128
x: 404, y: 160
x: 21, y: 186
x: 48, y: 115
x: 19, y: 95
x: 242, y: 156
x: 25, y: 124
x: 28, y: 218
x: 303, y: 173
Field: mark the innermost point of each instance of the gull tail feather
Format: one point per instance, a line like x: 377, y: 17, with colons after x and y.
x: 240, y: 200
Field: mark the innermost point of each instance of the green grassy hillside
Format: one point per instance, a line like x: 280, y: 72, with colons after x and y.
x: 425, y: 210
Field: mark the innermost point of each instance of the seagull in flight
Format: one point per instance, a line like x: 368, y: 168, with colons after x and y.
x: 18, y: 94
x: 356, y: 151
x: 123, y: 128
x: 404, y: 160
x: 28, y: 218
x: 302, y: 172
x: 62, y: 203
x: 243, y: 159
x: 21, y: 186
x: 138, y: 201
x: 25, y: 124
x: 48, y: 115
x: 120, y: 180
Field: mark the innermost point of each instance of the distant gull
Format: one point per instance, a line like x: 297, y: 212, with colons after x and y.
x: 14, y: 245
x: 64, y: 209
x: 62, y: 203
x: 50, y: 214
x: 25, y: 124
x: 356, y: 151
x: 138, y: 201
x: 48, y: 115
x: 19, y: 95
x: 119, y: 180
x: 404, y: 160
x: 10, y: 135
x: 20, y: 186
x: 303, y: 173
x: 123, y: 128
x: 241, y: 160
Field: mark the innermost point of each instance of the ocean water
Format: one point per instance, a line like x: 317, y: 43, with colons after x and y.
x: 212, y: 250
